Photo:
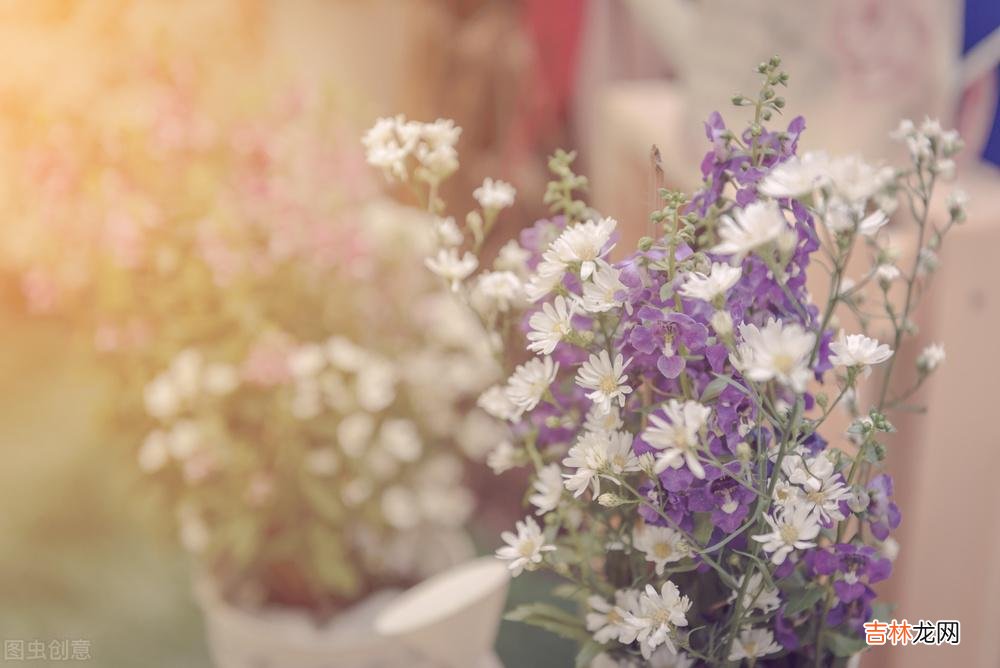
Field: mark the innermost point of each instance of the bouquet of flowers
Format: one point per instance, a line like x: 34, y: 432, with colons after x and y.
x: 673, y: 410
x: 292, y: 382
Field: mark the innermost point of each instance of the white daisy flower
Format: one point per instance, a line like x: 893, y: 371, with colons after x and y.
x: 605, y: 378
x: 753, y: 644
x: 601, y: 421
x: 596, y: 455
x: 758, y: 224
x: 599, y: 294
x: 855, y: 180
x: 548, y: 275
x: 661, y: 545
x: 776, y: 352
x: 551, y: 325
x: 495, y: 195
x: 794, y: 526
x: 548, y: 488
x: 584, y: 244
x: 524, y: 550
x: 678, y: 439
x: 797, y: 176
x: 450, y: 267
x: 530, y: 382
x: 715, y: 284
x: 858, y: 350
x: 756, y: 595
x: 659, y: 615
x: 610, y: 622
x: 821, y: 487
x: 931, y: 357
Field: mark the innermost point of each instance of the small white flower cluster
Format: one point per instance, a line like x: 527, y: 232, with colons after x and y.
x: 391, y: 142
x: 649, y: 616
x: 930, y: 144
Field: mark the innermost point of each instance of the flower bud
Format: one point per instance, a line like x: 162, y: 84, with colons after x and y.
x: 858, y: 500
x: 744, y: 451
x: 722, y: 323
x: 610, y: 500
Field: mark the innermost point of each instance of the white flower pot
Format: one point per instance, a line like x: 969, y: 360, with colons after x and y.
x: 287, y: 638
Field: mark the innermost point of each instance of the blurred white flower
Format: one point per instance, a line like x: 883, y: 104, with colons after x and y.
x: 503, y: 458
x: 529, y: 383
x: 399, y: 507
x: 307, y: 360
x: 858, y: 350
x: 322, y: 461
x: 752, y: 644
x: 548, y: 488
x: 797, y: 176
x: 449, y: 266
x: 161, y: 398
x: 154, y: 452
x: 401, y: 439
x: 758, y: 224
x: 609, y: 622
x: 715, y: 284
x: 931, y: 357
x: 512, y: 257
x: 496, y: 402
x: 220, y: 379
x: 447, y: 232
x: 354, y: 434
x: 756, y: 594
x: 494, y: 195
x: 497, y: 292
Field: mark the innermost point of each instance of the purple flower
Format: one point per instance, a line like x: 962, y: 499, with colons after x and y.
x: 853, y: 569
x: 723, y: 496
x: 883, y: 514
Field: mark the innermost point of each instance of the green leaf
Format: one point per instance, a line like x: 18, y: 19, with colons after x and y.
x: 552, y: 619
x: 842, y: 645
x: 571, y: 592
x: 587, y: 654
x: 715, y: 388
x: 803, y: 601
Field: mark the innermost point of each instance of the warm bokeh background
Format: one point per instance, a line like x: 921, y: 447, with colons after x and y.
x: 80, y: 555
